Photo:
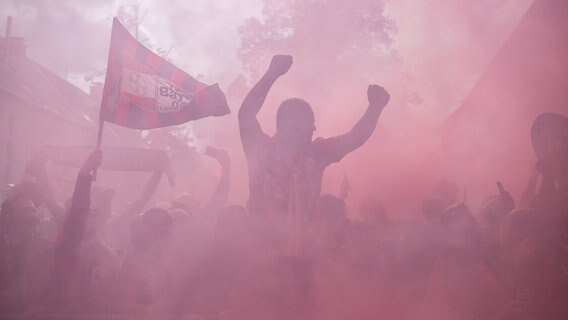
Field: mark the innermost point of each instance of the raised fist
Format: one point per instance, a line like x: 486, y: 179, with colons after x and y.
x: 280, y: 64
x: 377, y: 95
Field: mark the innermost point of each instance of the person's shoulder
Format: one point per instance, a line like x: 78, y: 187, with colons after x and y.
x: 321, y: 140
x: 320, y: 144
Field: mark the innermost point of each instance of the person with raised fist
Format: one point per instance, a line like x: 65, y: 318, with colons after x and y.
x: 286, y: 170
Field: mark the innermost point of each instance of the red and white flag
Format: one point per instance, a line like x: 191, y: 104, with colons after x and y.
x: 144, y: 91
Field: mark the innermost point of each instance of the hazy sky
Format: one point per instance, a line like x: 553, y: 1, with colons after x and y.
x: 456, y: 39
x: 71, y: 37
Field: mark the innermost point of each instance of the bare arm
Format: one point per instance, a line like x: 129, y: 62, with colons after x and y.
x: 360, y: 133
x: 248, y: 124
x: 146, y: 194
x: 75, y: 223
x: 221, y: 193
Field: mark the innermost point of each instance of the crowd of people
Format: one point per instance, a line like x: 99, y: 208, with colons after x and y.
x: 291, y: 252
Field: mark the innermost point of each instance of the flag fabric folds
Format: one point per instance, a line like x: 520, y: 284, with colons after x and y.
x: 144, y: 91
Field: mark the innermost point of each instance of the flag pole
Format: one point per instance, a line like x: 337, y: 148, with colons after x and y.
x: 98, y: 147
x: 101, y: 120
x: 100, y: 134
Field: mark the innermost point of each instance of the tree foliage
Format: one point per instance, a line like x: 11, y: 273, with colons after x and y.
x: 328, y: 33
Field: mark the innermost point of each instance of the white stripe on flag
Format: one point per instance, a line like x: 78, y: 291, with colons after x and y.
x: 168, y: 96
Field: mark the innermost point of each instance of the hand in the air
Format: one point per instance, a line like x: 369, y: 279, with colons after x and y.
x: 280, y: 64
x: 377, y: 95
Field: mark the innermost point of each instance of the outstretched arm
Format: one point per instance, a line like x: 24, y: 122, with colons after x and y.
x: 221, y: 193
x: 146, y: 194
x: 360, y: 133
x: 74, y: 225
x: 248, y: 124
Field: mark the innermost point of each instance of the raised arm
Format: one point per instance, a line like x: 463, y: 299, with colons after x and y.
x: 219, y: 198
x: 146, y: 194
x: 248, y: 124
x: 74, y: 225
x: 360, y: 133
